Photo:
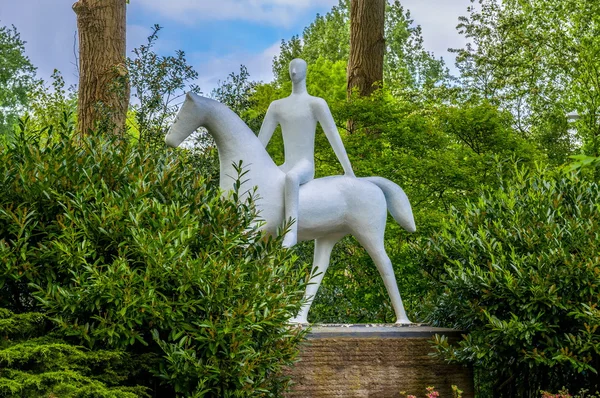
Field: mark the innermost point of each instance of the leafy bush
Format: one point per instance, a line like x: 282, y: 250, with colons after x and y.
x: 125, y: 247
x: 432, y: 393
x: 34, y: 364
x: 157, y: 86
x: 52, y: 104
x: 519, y: 271
x: 565, y: 394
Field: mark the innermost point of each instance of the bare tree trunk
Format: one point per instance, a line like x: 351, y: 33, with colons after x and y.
x: 367, y: 45
x: 103, y: 83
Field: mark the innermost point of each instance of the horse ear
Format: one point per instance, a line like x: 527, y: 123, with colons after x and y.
x: 189, y: 95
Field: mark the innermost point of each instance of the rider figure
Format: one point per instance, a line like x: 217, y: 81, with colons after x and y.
x: 298, y: 115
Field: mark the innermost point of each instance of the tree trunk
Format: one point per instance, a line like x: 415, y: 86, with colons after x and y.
x: 367, y: 45
x: 103, y: 83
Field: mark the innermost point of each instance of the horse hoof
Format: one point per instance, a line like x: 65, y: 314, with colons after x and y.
x: 298, y: 320
x: 289, y: 241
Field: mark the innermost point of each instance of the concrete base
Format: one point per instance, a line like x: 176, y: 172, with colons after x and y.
x: 376, y: 361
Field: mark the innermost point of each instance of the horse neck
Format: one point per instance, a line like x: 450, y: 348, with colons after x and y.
x: 235, y: 140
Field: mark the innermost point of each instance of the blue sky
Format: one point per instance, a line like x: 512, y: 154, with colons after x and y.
x: 217, y: 35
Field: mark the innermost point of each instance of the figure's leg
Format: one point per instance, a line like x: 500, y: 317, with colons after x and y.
x: 300, y: 174
x: 374, y: 246
x: 323, y: 247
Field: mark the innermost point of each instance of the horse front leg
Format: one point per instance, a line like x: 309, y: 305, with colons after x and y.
x: 323, y: 248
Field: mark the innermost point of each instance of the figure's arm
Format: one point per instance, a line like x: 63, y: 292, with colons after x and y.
x: 327, y: 123
x: 268, y: 126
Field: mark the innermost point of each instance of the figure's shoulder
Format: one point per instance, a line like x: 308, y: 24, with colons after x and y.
x: 318, y: 102
x: 277, y: 104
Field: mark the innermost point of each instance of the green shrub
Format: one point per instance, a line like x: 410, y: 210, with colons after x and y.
x: 519, y: 271
x: 125, y: 247
x: 35, y: 364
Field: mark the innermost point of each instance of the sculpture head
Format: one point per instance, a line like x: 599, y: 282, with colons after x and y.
x: 298, y: 70
x: 189, y: 118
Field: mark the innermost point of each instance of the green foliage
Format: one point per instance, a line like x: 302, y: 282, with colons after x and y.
x: 237, y: 92
x: 518, y: 270
x: 582, y: 162
x: 49, y: 104
x: 440, y: 154
x: 35, y: 364
x: 128, y: 247
x: 483, y: 129
x: 327, y: 79
x: 406, y: 65
x: 17, y: 78
x: 539, y: 60
x: 328, y: 36
x: 157, y: 85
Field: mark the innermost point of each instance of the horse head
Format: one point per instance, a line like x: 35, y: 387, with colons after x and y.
x: 188, y: 120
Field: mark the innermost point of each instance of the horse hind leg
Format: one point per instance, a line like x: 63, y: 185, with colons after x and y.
x: 322, y: 254
x: 373, y: 243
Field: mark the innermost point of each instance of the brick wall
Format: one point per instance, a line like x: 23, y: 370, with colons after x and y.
x: 377, y: 361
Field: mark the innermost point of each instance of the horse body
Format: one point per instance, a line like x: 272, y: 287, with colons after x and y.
x: 329, y: 208
x: 324, y: 210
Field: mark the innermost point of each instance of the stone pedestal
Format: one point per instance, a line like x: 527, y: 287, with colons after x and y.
x: 377, y: 361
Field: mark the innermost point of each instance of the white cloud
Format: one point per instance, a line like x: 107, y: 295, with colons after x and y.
x: 50, y: 31
x: 272, y: 12
x: 49, y: 28
x: 136, y: 36
x: 213, y: 69
x: 438, y: 19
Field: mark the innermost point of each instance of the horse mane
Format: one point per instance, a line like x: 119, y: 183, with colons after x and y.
x: 234, y: 139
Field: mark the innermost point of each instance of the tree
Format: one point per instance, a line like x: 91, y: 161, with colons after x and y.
x: 440, y: 151
x: 408, y: 67
x: 236, y: 91
x: 52, y: 105
x: 539, y: 60
x: 407, y: 70
x: 367, y: 45
x: 158, y: 83
x: 17, y: 78
x: 103, y: 86
x: 326, y: 37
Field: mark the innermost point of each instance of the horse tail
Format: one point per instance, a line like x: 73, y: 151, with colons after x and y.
x: 397, y: 202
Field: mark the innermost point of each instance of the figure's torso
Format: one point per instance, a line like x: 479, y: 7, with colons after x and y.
x: 298, y: 122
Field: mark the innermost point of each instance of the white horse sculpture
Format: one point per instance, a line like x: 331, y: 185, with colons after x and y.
x: 330, y: 208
